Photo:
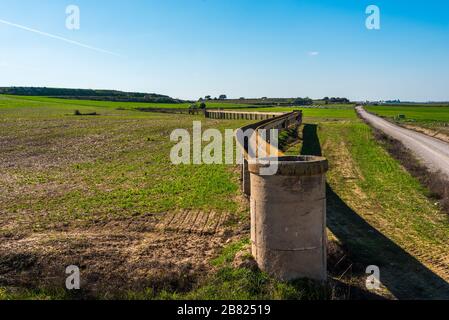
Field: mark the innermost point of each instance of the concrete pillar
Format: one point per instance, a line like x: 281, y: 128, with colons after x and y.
x: 288, y: 217
x: 246, y: 178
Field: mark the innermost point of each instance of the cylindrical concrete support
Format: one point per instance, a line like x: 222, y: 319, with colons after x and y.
x: 288, y: 217
x: 246, y: 178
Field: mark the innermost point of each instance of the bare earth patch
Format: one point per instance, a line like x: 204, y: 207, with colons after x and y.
x: 121, y: 256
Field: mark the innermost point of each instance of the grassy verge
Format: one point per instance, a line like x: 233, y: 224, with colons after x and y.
x: 382, y: 214
x: 437, y: 185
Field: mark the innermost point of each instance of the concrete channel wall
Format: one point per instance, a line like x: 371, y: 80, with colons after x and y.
x: 288, y: 208
x: 241, y: 115
x: 172, y: 110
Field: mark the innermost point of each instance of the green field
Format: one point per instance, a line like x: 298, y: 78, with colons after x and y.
x: 419, y: 113
x: 11, y: 101
x: 434, y: 117
x: 114, y: 164
x: 330, y: 112
x: 100, y: 186
x: 94, y: 191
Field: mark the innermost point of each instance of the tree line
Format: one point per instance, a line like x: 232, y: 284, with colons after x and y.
x: 88, y: 94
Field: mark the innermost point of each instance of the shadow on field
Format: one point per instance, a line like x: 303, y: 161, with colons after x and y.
x: 311, y: 143
x: 403, y: 275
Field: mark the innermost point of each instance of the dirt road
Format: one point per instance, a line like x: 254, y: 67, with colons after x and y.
x: 433, y: 152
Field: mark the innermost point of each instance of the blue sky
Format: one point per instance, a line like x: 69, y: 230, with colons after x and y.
x: 250, y: 48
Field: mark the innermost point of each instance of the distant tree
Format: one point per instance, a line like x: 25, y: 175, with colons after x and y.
x: 203, y: 106
x: 393, y: 101
x: 223, y: 97
x: 303, y: 101
x: 208, y: 97
x: 242, y: 98
x: 339, y: 100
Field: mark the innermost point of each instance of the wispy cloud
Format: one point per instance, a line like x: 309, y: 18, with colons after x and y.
x: 313, y: 53
x: 49, y: 35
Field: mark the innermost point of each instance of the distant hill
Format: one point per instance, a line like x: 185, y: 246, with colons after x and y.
x: 88, y: 94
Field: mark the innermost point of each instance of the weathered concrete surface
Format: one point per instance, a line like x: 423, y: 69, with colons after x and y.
x: 288, y: 218
x: 433, y: 152
x: 241, y: 115
x: 249, y: 147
